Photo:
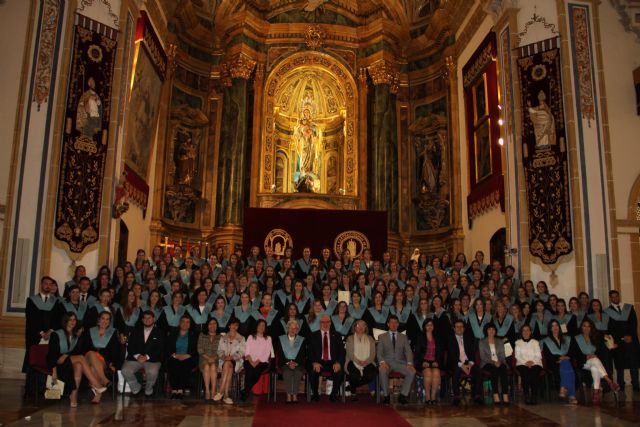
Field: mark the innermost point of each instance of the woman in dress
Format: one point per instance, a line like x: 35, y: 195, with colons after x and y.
x: 257, y: 354
x: 360, y: 357
x: 208, y: 342
x: 291, y: 358
x: 231, y: 354
x: 430, y: 359
x: 104, y: 352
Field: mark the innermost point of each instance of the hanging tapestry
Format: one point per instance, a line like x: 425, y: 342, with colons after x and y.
x: 150, y: 65
x: 84, y: 147
x: 544, y: 151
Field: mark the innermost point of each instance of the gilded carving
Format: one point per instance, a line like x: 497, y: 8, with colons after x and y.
x: 46, y: 47
x: 384, y: 72
x: 314, y: 37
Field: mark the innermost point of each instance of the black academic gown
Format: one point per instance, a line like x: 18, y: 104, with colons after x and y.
x: 39, y: 319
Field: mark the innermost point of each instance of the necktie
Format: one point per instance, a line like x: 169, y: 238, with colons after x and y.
x: 618, y: 309
x: 84, y: 298
x: 393, y: 340
x: 463, y: 356
x: 325, y: 346
x: 45, y: 298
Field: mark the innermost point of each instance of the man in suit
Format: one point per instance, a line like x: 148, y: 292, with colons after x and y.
x: 623, y: 324
x: 144, y: 350
x: 394, y: 354
x: 461, y: 360
x: 326, y: 353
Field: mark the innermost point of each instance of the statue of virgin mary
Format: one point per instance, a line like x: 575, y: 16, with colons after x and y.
x: 306, y: 140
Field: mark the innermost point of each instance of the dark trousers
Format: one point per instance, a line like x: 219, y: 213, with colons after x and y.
x: 497, y: 375
x: 252, y: 375
x: 357, y: 378
x: 626, y: 357
x: 179, y: 372
x: 474, y: 376
x: 314, y: 377
x: 530, y: 376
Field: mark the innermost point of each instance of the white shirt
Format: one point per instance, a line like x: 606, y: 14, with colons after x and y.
x: 528, y: 351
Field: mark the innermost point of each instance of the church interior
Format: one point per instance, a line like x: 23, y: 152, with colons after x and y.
x: 392, y: 130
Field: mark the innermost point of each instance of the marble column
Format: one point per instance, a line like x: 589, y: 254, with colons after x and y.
x: 383, y: 145
x: 233, y: 142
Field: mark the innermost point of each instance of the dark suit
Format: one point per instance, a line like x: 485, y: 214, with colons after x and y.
x: 336, y: 355
x: 152, y: 348
x: 180, y: 370
x: 455, y: 364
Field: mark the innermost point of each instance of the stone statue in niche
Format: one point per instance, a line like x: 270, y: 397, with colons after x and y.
x: 332, y: 175
x: 182, y: 191
x: 429, y: 135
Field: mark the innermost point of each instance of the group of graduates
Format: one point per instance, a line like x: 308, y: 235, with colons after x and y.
x: 354, y: 319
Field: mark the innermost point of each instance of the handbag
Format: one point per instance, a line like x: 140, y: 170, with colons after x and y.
x: 54, y: 389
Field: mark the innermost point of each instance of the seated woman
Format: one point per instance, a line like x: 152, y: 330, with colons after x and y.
x: 342, y: 321
x: 231, y: 354
x: 222, y: 313
x: 588, y: 350
x: 291, y: 313
x: 291, y: 357
x: 208, y: 343
x: 555, y: 349
x: 493, y: 361
x: 429, y: 359
x: 528, y: 363
x: 257, y: 353
x: 66, y: 361
x: 360, y: 357
x: 182, y: 356
x: 104, y: 352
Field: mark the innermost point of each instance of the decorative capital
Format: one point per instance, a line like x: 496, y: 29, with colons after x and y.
x: 314, y: 37
x: 385, y: 72
x: 362, y: 76
x: 239, y: 66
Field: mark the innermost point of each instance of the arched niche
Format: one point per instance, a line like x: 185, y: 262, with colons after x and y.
x: 309, y: 93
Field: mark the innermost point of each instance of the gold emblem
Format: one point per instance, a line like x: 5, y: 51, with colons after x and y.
x: 278, y: 240
x: 354, y: 241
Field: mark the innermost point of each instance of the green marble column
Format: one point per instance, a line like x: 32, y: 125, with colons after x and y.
x: 232, y: 154
x: 383, y: 154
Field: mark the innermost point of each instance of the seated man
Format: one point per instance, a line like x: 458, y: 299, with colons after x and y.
x: 326, y: 353
x: 394, y: 354
x: 461, y: 359
x: 144, y: 350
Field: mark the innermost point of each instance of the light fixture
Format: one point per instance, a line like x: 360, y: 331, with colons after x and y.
x: 501, y: 141
x: 500, y: 122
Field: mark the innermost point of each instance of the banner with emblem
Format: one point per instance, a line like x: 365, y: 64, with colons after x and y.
x: 85, y: 136
x: 337, y: 230
x: 544, y: 151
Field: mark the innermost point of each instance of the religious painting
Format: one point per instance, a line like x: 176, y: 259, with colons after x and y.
x: 483, y: 151
x: 149, y: 69
x: 142, y: 115
x: 480, y: 98
x: 429, y: 135
x: 84, y: 146
x: 544, y: 152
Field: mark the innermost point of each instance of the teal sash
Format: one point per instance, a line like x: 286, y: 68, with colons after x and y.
x: 303, y: 301
x: 542, y: 297
x: 284, y: 322
x: 388, y: 302
x: 579, y: 316
x: 173, y: 318
x: 619, y: 317
x: 518, y: 324
x: 289, y: 350
x: 342, y: 328
x: 478, y: 327
x: 222, y: 321
x: 315, y: 325
x: 357, y: 313
x: 601, y: 325
x: 551, y: 344
x: 331, y: 307
x: 101, y: 342
x: 199, y: 318
x: 282, y: 296
x: 156, y: 311
x: 133, y: 319
x: 79, y: 311
x: 403, y: 316
x: 40, y: 304
x: 303, y: 265
x: 586, y: 347
x: 178, y: 262
x: 379, y: 316
x: 542, y: 326
x: 257, y: 301
x: 270, y: 316
x: 503, y: 329
x: 455, y: 293
x: 234, y: 300
x: 420, y: 319
x: 242, y: 315
x: 64, y: 344
x: 565, y: 319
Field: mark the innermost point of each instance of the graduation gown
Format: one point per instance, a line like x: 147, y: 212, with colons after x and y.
x: 107, y: 345
x: 60, y: 344
x: 39, y: 317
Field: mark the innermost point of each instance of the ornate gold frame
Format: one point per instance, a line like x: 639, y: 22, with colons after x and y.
x: 279, y: 74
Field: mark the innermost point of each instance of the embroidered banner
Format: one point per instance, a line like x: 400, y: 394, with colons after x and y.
x: 544, y: 151
x: 84, y: 147
x: 150, y: 65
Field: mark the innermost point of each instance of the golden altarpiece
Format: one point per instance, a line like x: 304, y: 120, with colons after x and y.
x: 329, y: 105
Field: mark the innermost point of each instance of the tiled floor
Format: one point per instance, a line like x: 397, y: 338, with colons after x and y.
x: 14, y: 411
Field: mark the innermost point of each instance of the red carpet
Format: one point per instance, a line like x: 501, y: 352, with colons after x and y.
x: 326, y: 414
